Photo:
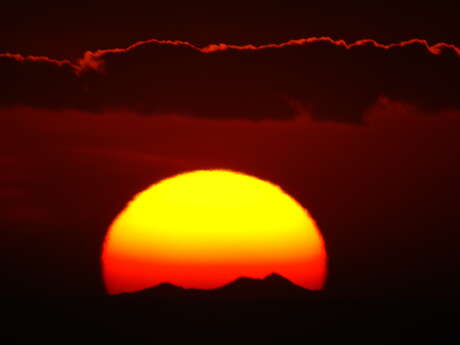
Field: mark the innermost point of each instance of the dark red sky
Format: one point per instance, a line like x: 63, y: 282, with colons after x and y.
x: 63, y: 29
x: 366, y: 139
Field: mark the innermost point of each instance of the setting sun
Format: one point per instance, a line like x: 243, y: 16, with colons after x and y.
x: 203, y: 229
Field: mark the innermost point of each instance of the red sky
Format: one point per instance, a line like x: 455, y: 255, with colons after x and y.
x: 383, y: 192
x: 365, y: 138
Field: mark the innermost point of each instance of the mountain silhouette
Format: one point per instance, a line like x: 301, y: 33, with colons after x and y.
x: 272, y: 310
x: 272, y: 286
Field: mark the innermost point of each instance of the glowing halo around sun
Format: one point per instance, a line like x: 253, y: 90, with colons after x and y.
x: 206, y: 228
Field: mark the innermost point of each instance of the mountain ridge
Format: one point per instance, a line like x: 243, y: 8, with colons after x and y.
x: 273, y: 285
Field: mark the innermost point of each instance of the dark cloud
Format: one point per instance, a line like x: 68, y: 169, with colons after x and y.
x: 323, y: 78
x: 40, y: 83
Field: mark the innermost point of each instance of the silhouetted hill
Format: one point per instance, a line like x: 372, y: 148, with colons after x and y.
x: 272, y: 286
x: 246, y: 311
x: 163, y: 290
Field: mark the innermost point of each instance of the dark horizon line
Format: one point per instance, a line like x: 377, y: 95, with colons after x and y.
x: 272, y: 277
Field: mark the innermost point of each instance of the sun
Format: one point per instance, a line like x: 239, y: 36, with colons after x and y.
x: 203, y: 229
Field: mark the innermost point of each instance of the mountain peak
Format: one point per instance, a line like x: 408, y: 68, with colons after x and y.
x: 273, y: 285
x: 276, y: 277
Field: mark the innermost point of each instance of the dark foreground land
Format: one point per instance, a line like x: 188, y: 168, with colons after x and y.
x: 269, y: 311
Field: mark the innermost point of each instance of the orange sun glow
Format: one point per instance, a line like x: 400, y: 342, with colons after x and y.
x: 203, y: 229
